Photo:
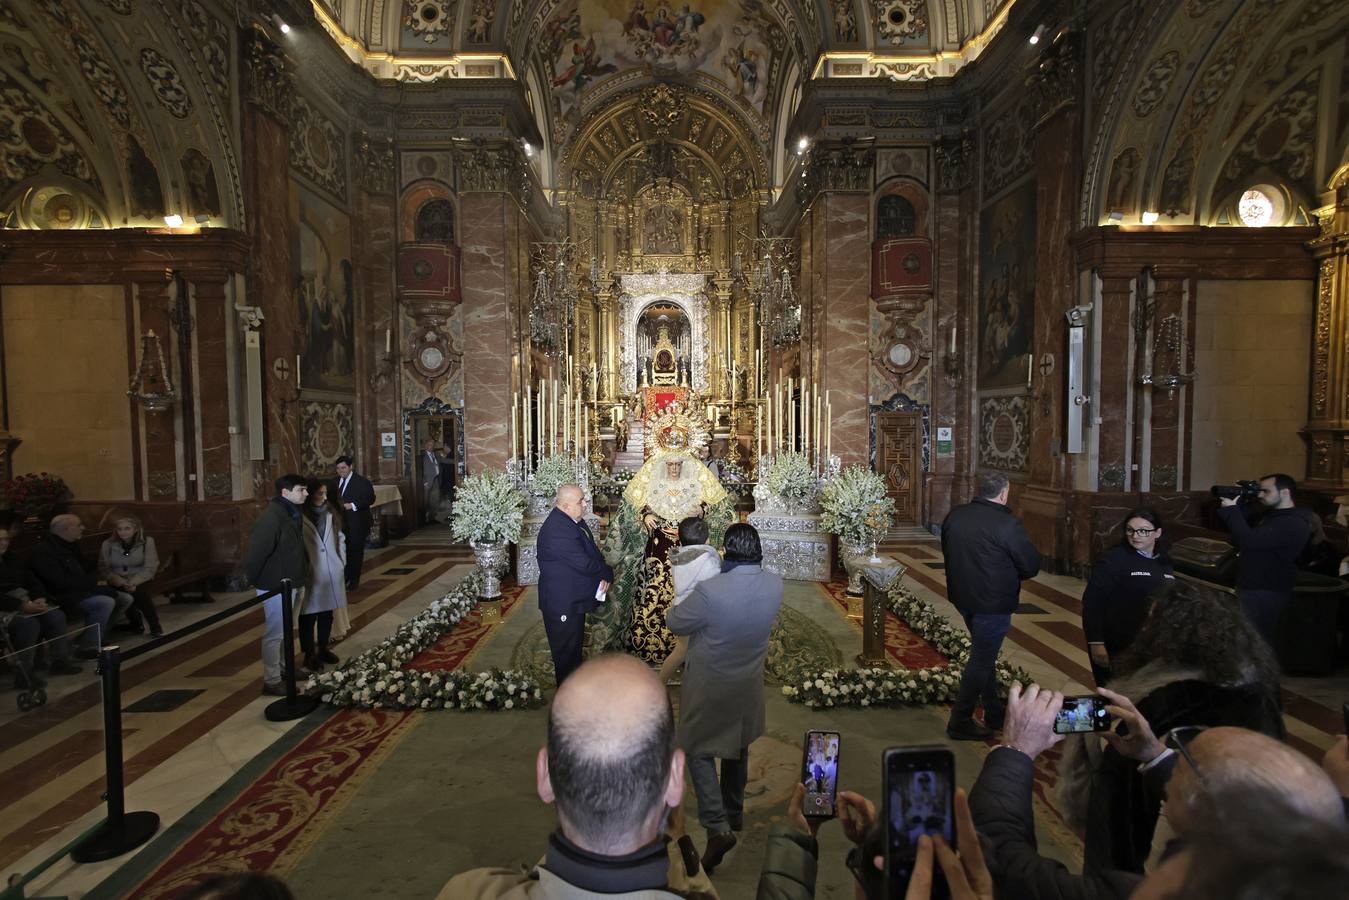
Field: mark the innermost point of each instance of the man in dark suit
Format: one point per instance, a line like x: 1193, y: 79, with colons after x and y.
x: 357, y: 496
x: 988, y: 554
x: 571, y: 570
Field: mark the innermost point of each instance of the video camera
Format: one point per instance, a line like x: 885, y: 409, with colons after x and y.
x: 1242, y: 490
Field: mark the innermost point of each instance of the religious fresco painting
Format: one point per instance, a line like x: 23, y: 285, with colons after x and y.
x: 585, y: 40
x: 1007, y: 288
x: 325, y: 295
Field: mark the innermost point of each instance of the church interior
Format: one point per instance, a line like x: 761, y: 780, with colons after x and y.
x: 480, y: 249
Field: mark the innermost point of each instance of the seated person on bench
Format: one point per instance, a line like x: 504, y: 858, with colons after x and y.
x: 59, y: 572
x: 25, y: 619
x: 127, y: 561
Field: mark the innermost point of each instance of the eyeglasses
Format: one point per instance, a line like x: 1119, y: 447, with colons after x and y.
x: 1178, y: 739
x: 1141, y: 532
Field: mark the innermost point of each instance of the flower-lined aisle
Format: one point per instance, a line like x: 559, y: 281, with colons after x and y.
x: 899, y: 686
x: 383, y: 677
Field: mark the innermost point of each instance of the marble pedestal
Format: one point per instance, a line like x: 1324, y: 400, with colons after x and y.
x: 878, y: 574
x: 793, y: 545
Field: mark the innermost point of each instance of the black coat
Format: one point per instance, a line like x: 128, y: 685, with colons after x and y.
x: 58, y: 572
x: 1116, y: 600
x: 988, y: 555
x: 1000, y: 804
x: 1122, y: 808
x: 276, y: 549
x: 1268, y: 552
x: 360, y: 492
x: 571, y: 566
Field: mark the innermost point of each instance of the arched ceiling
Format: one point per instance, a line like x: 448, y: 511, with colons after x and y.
x: 1218, y: 95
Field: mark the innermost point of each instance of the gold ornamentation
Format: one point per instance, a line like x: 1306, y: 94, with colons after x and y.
x: 1321, y: 352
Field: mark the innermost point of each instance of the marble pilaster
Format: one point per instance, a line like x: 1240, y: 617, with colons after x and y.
x: 491, y: 225
x: 158, y: 430
x: 1111, y: 405
x: 213, y: 317
x: 375, y: 247
x: 841, y: 274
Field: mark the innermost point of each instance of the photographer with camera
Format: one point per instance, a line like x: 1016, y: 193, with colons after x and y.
x: 1269, y: 550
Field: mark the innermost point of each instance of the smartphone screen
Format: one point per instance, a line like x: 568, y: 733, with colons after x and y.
x: 1080, y: 715
x: 919, y: 799
x: 819, y: 773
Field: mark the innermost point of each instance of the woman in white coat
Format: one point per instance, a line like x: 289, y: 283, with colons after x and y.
x: 326, y: 590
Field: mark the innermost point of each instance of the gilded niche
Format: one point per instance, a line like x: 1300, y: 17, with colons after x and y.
x: 663, y: 230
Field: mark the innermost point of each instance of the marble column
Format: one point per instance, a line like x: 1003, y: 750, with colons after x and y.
x: 840, y: 248
x: 375, y: 248
x: 1111, y: 405
x: 270, y: 267
x: 213, y: 316
x: 490, y: 232
x: 1166, y: 420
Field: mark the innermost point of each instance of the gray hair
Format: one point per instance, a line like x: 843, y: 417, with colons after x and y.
x: 991, y: 484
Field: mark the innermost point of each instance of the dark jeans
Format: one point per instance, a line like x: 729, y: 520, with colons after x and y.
x: 142, y: 605
x: 565, y: 640
x: 25, y: 631
x: 978, y: 682
x: 1265, y: 609
x: 309, y: 623
x: 355, y: 555
x: 721, y: 801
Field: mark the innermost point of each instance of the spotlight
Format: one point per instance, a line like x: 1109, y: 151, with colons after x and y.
x: 803, y: 145
x: 1150, y: 218
x: 529, y: 148
x: 280, y: 23
x: 1039, y: 33
x: 1116, y: 216
x: 201, y: 218
x: 173, y: 221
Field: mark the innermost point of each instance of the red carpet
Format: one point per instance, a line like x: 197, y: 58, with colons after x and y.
x: 904, y: 646
x: 270, y: 818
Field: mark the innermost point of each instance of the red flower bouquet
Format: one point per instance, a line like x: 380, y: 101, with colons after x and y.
x: 35, y: 495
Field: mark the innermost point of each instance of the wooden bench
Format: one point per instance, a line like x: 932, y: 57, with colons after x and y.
x: 185, y: 568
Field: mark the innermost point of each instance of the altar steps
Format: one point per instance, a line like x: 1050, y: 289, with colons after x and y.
x: 633, y: 457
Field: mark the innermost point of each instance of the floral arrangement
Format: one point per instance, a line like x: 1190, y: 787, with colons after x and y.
x: 734, y: 478
x: 35, y: 494
x: 488, y: 508
x: 791, y: 480
x: 855, y: 506
x: 609, y: 484
x: 551, y: 473
x: 377, y: 678
x: 896, y: 687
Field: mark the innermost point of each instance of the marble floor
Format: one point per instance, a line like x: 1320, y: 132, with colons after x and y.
x: 193, y: 713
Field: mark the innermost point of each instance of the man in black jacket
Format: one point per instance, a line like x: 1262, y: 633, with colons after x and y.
x: 988, y: 554
x: 356, y: 494
x: 1235, y: 761
x: 1267, y: 564
x: 276, y: 552
x: 58, y: 571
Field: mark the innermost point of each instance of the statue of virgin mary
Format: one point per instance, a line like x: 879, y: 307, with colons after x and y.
x: 669, y: 487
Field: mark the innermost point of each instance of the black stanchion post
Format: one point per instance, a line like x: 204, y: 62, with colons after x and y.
x: 121, y: 831
x: 293, y: 705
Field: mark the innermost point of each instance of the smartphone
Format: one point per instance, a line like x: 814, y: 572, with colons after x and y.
x: 1081, y: 715
x: 919, y: 795
x: 819, y: 773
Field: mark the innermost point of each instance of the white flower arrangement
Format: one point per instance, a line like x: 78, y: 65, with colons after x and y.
x: 855, y: 506
x: 378, y: 679
x: 791, y: 480
x: 551, y: 473
x: 897, y: 687
x: 488, y: 508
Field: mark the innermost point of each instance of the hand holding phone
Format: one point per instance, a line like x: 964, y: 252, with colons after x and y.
x: 1082, y: 715
x: 819, y: 773
x: 919, y: 799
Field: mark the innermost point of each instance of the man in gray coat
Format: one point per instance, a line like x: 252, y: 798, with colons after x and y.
x: 727, y: 619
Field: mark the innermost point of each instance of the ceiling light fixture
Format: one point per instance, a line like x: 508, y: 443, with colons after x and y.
x: 280, y: 23
x: 1039, y: 33
x: 1150, y: 217
x: 202, y: 218
x: 173, y: 221
x: 803, y: 145
x: 1116, y: 215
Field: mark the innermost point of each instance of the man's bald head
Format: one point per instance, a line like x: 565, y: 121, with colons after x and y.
x: 571, y: 500
x: 66, y: 526
x: 611, y: 764
x: 1236, y: 760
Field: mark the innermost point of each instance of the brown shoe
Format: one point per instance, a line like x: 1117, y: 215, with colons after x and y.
x: 718, y: 845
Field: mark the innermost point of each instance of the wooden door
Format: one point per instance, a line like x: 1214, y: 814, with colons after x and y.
x: 899, y: 460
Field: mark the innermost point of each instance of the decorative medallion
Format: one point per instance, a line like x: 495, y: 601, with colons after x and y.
x: 1004, y: 433
x: 1152, y: 89
x: 900, y: 21
x: 167, y: 84
x: 660, y: 107
x: 99, y: 76
x: 328, y: 433
x: 428, y: 19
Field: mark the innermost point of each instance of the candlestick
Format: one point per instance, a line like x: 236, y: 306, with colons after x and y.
x: 791, y: 415
x: 388, y: 341
x: 528, y: 425
x: 953, y: 340
x: 828, y: 429
x: 818, y: 430
x: 297, y: 372
x: 1030, y: 369
x: 515, y: 411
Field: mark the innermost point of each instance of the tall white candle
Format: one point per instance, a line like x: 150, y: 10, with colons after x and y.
x: 819, y: 430
x: 528, y: 425
x: 953, y: 340
x: 515, y: 413
x: 388, y: 341
x: 791, y: 414
x: 297, y: 371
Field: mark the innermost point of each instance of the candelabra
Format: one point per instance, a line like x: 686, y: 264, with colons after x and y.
x: 771, y: 285
x: 151, y: 386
